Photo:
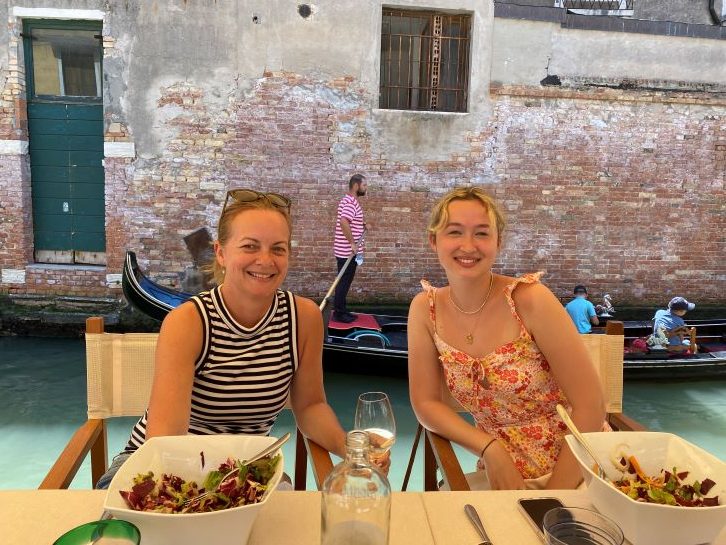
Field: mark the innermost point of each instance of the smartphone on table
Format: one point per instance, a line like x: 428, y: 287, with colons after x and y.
x: 535, y: 509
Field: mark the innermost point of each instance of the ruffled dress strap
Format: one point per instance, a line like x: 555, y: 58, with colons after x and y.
x: 431, y: 295
x: 529, y: 278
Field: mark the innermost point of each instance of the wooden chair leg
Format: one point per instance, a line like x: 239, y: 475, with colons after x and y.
x: 301, y: 462
x: 99, y: 455
x: 445, y: 459
x: 412, y: 457
x: 320, y: 461
x: 430, y: 481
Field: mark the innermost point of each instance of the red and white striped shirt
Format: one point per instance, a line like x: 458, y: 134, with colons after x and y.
x: 348, y: 208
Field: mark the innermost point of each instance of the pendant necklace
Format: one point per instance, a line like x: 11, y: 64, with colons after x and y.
x: 470, y: 335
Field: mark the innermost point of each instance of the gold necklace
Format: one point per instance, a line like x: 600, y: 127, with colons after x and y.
x: 470, y: 336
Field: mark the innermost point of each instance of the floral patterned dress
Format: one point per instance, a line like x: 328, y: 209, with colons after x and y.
x: 510, y: 392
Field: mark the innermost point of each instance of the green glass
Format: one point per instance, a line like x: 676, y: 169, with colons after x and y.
x: 102, y: 532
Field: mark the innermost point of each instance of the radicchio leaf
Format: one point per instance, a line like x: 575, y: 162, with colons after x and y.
x: 706, y: 485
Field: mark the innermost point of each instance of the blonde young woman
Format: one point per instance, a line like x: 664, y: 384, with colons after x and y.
x: 227, y: 360
x: 507, y: 350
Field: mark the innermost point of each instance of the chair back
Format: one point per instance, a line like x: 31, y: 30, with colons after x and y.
x: 606, y: 352
x: 119, y: 373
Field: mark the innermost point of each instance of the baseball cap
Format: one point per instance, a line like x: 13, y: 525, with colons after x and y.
x: 680, y: 303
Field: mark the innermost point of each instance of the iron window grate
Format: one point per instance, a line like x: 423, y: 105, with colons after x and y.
x: 425, y: 59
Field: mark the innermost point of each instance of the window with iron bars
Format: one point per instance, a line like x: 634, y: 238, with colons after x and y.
x: 598, y: 7
x: 424, y: 60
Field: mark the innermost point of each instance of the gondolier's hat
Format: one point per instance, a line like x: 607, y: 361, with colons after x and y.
x: 679, y: 303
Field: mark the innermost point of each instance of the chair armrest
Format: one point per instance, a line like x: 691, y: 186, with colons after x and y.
x: 446, y: 461
x: 320, y: 461
x: 621, y: 422
x: 66, y: 466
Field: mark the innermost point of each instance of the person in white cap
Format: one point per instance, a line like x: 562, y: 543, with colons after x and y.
x: 673, y: 322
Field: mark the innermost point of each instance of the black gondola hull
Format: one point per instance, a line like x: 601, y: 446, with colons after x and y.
x: 385, y: 351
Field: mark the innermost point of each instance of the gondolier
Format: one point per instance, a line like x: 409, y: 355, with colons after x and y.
x: 349, y: 227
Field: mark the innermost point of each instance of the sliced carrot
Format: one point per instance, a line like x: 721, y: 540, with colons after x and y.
x: 636, y: 466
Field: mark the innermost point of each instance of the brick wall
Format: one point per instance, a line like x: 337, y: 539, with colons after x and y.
x: 620, y: 189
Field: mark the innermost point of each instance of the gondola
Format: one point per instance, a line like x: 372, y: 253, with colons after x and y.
x: 151, y: 298
x: 377, y: 343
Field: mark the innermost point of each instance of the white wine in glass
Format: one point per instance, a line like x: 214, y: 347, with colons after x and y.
x: 374, y: 414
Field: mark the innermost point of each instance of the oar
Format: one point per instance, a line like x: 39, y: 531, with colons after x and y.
x: 325, y: 300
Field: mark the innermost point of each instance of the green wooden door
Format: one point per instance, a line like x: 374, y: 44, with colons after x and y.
x: 65, y: 126
x: 66, y: 154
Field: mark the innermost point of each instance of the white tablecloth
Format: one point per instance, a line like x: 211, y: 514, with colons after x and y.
x: 38, y: 517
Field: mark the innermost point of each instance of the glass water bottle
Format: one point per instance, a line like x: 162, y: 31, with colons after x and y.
x: 356, y: 506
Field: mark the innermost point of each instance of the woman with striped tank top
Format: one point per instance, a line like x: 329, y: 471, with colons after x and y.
x: 227, y: 360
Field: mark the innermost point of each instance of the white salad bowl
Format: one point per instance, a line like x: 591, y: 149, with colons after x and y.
x: 650, y: 523
x: 180, y: 455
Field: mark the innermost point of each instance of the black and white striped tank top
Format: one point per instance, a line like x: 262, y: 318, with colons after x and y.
x: 242, y: 376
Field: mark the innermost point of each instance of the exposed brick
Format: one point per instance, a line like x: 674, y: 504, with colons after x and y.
x: 614, y: 188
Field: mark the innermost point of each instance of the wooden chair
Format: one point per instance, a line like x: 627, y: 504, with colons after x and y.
x: 119, y: 369
x: 606, y: 352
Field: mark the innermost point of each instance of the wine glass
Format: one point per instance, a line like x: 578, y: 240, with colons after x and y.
x: 374, y: 414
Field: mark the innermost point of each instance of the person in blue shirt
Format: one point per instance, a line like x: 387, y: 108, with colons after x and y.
x: 672, y: 321
x: 582, y: 311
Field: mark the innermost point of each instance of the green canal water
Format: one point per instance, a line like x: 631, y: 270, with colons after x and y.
x: 42, y: 387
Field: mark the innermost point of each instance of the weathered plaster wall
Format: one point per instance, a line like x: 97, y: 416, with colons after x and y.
x: 685, y: 11
x: 527, y: 51
x: 620, y: 188
x: 223, y: 51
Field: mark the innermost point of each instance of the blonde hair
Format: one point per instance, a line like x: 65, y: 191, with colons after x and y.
x: 224, y: 228
x: 440, y: 212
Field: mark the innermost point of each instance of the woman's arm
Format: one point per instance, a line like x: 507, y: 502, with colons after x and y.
x: 314, y: 416
x: 425, y: 380
x: 178, y: 347
x: 570, y: 363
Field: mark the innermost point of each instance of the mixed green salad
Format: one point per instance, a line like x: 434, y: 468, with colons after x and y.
x: 230, y: 485
x: 667, y: 488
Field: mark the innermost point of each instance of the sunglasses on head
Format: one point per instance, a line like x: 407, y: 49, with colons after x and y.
x: 250, y: 195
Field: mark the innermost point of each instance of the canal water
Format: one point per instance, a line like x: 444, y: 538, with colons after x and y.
x: 42, y: 388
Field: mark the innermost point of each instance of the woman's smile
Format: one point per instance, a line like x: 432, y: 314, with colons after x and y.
x: 467, y: 261
x: 261, y: 276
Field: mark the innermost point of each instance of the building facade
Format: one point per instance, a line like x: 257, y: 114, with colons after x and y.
x: 123, y: 124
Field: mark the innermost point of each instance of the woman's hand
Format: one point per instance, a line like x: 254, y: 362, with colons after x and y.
x: 500, y: 468
x: 382, y: 462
